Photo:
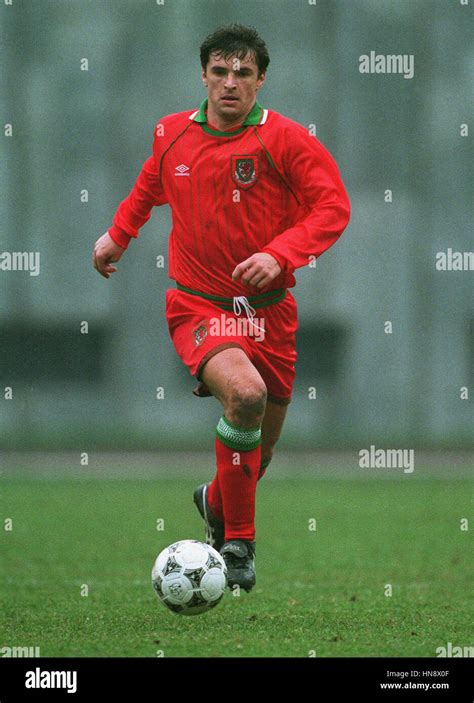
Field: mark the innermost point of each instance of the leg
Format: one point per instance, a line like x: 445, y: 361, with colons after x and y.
x: 235, y: 382
x: 271, y: 429
x: 233, y: 379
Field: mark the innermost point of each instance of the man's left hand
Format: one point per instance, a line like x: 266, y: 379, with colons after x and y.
x: 258, y: 270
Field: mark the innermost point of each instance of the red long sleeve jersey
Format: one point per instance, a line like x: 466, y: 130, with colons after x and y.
x: 267, y: 186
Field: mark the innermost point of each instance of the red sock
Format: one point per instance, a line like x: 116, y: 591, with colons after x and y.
x: 214, y: 497
x: 237, y: 483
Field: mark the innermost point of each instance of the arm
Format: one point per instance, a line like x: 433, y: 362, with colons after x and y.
x: 135, y: 210
x: 314, y: 177
x: 131, y: 214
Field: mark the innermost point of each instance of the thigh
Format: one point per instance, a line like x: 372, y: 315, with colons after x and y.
x: 194, y: 332
x: 275, y: 356
x: 228, y: 372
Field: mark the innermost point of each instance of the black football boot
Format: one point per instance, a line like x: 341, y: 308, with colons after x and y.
x: 214, y: 527
x: 239, y: 556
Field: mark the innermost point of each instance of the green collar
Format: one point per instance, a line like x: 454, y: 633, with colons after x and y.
x: 255, y: 116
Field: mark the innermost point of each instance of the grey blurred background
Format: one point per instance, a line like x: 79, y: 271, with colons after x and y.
x: 77, y: 130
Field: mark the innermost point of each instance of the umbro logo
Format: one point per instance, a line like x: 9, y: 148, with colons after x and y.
x: 181, y: 170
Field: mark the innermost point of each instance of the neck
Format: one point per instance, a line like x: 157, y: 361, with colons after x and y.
x: 222, y: 123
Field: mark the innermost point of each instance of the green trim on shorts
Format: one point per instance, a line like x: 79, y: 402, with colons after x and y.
x: 256, y: 301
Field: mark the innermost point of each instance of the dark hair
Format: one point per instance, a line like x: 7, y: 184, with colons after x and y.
x: 235, y: 40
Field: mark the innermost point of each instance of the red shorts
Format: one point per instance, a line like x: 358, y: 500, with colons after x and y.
x: 200, y: 329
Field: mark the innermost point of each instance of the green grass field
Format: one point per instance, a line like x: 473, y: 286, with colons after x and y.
x: 321, y: 590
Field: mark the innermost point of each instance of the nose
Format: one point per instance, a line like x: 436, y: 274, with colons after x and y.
x: 230, y: 81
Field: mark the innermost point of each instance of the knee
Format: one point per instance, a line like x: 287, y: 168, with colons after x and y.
x: 246, y: 404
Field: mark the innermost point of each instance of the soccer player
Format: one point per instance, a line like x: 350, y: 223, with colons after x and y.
x: 253, y: 197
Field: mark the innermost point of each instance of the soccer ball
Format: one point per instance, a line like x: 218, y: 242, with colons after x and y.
x: 189, y: 577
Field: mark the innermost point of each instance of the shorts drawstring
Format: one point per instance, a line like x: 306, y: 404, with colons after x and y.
x: 239, y: 302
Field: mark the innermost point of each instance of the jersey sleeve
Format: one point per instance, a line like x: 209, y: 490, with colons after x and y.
x: 135, y: 210
x: 314, y: 178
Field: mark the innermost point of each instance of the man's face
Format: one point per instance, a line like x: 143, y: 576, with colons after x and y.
x: 232, y: 85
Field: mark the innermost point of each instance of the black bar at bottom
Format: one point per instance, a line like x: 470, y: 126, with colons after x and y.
x: 151, y: 679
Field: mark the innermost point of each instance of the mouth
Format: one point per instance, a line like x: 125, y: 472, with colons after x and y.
x: 229, y: 98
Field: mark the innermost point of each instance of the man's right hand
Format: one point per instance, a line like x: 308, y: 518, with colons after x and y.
x: 106, y: 252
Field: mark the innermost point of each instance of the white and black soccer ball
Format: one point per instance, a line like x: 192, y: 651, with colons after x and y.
x: 189, y: 577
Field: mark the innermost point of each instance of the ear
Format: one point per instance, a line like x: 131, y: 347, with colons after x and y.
x: 261, y: 80
x: 204, y: 77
